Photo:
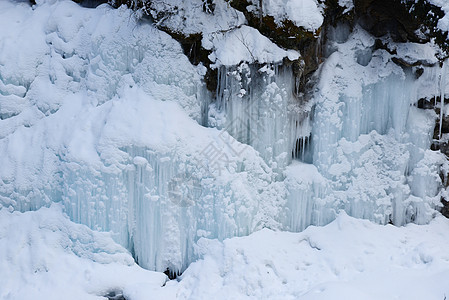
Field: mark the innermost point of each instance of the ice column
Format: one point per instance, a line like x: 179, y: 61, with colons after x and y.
x: 257, y: 105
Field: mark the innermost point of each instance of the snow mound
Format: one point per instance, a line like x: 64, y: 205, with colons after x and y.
x: 244, y: 44
x: 347, y: 259
x: 44, y: 254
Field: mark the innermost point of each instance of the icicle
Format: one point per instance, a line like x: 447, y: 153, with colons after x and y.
x: 442, y: 92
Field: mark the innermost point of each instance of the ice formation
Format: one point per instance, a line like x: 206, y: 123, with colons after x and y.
x: 106, y: 115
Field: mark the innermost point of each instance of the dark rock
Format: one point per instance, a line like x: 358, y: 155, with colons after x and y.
x: 441, y: 146
x: 418, y: 72
x: 378, y: 44
x: 171, y: 274
x: 444, y: 128
x: 421, y: 62
x: 289, y: 36
x: 404, y: 21
x: 445, y: 208
x: 208, y: 6
x: 381, y: 17
x: 90, y: 3
x: 425, y: 104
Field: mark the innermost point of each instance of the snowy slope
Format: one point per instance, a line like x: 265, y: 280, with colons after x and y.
x: 45, y: 256
x: 347, y: 259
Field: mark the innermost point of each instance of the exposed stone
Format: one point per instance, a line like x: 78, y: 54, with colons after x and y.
x: 402, y: 62
x: 424, y: 103
x: 286, y: 35
x: 172, y: 274
x: 445, y: 208
x: 404, y: 21
x: 289, y: 36
x: 444, y: 128
x: 381, y: 17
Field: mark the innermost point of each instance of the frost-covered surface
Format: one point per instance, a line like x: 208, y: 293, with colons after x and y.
x: 347, y: 259
x: 307, y: 14
x: 255, y: 105
x: 43, y: 255
x: 46, y: 256
x: 223, y: 31
x: 244, y: 44
x: 110, y: 108
x: 368, y: 139
x: 196, y: 16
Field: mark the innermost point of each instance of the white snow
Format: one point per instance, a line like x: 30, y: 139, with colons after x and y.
x: 222, y: 29
x: 347, y: 259
x: 244, y: 44
x: 347, y: 4
x: 45, y: 256
x: 304, y: 13
x: 443, y: 23
x: 190, y: 17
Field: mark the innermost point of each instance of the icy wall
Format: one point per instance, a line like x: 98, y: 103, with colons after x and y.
x: 104, y: 113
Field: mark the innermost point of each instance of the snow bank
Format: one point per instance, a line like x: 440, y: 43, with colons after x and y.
x: 223, y: 31
x: 347, y: 259
x: 244, y: 44
x: 44, y: 255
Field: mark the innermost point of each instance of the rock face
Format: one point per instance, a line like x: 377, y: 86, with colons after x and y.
x: 405, y: 21
x: 445, y: 209
x: 289, y: 36
x: 382, y: 17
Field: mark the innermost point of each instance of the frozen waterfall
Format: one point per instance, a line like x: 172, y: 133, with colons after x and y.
x: 114, y: 112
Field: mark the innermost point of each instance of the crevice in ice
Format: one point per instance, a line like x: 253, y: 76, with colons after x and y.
x: 302, y: 149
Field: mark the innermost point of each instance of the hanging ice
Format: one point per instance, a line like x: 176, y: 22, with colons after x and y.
x: 368, y: 142
x: 256, y: 104
x: 104, y: 116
